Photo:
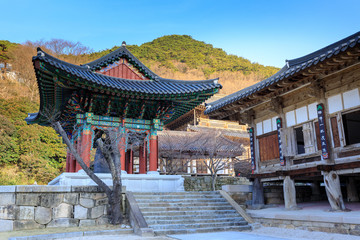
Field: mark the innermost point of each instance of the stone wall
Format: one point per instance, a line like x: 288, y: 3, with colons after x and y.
x: 330, y: 227
x: 33, y: 207
x: 203, y: 183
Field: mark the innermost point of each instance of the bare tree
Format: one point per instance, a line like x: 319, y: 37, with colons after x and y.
x: 175, y: 150
x: 110, y: 150
x: 217, y: 152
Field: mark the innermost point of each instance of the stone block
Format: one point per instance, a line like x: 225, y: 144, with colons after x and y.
x: 104, y: 220
x: 64, y: 210
x: 27, y: 199
x: 7, y: 189
x: 6, y: 225
x: 51, y: 199
x: 71, y: 198
x: 80, y: 212
x: 87, y: 222
x: 355, y: 232
x: 237, y: 188
x: 96, y: 212
x: 7, y: 212
x: 27, y: 224
x: 86, y: 189
x: 42, y: 189
x: 94, y: 196
x: 43, y: 215
x: 24, y: 213
x: 7, y: 199
x: 64, y: 223
x: 87, y: 202
x: 103, y: 201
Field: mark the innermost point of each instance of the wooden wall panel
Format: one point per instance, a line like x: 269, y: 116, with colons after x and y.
x: 269, y: 147
x: 335, y: 131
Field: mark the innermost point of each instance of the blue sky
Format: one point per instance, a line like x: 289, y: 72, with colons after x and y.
x: 267, y: 32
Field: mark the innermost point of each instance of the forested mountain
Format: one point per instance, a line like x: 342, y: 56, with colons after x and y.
x: 31, y: 153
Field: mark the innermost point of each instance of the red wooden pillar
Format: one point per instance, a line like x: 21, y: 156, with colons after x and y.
x: 153, y: 158
x: 68, y: 160
x: 122, y: 153
x: 127, y: 160
x: 85, y: 147
x: 131, y: 162
x: 142, y: 159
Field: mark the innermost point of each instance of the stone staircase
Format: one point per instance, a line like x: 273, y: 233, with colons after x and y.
x: 189, y: 212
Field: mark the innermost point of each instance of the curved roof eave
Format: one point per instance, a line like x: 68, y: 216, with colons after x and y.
x: 292, y: 66
x: 158, y: 86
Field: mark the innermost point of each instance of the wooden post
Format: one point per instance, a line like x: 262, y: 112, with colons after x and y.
x: 85, y: 146
x: 127, y: 160
x: 352, y: 193
x: 153, y: 157
x: 122, y: 153
x: 131, y: 162
x: 68, y: 160
x: 333, y: 191
x: 257, y: 194
x: 289, y: 194
x: 142, y: 159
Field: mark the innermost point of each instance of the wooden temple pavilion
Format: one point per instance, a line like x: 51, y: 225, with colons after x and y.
x: 115, y: 91
x: 304, y: 124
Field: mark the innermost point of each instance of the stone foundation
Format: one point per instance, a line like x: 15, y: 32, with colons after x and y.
x: 203, y: 183
x: 34, y: 207
x: 343, y: 228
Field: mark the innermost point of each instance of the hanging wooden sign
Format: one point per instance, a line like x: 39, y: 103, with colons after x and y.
x: 252, y: 149
x: 279, y: 126
x: 322, y: 130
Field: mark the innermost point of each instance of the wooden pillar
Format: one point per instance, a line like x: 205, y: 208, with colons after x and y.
x: 333, y: 191
x: 122, y: 153
x: 127, y: 160
x: 142, y: 159
x: 289, y: 194
x: 257, y: 194
x: 131, y: 162
x: 153, y: 158
x: 352, y: 193
x: 85, y: 147
x: 68, y: 160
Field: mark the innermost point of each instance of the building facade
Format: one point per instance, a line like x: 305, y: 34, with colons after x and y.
x: 304, y: 124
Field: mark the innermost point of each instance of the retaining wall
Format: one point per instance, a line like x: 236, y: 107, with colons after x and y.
x: 34, y: 207
x: 203, y: 183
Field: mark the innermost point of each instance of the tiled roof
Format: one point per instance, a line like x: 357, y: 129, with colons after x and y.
x: 156, y: 86
x: 121, y: 52
x: 292, y: 67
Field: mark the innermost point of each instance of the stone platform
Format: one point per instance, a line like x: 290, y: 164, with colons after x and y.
x: 314, y: 216
x: 151, y: 182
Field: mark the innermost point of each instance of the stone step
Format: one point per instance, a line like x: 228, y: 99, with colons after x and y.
x: 196, y: 225
x: 154, y: 197
x: 202, y: 230
x: 176, y: 213
x: 181, y: 204
x: 185, y: 208
x: 156, y: 221
x: 188, y: 200
x: 190, y: 217
x: 175, y: 193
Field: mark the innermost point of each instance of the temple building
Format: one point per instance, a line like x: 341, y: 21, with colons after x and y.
x: 195, y: 121
x: 118, y: 92
x: 304, y: 125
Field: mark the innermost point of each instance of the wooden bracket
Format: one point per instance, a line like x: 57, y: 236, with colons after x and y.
x: 276, y: 105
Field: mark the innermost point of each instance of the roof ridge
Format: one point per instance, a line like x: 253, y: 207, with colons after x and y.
x: 117, y: 54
